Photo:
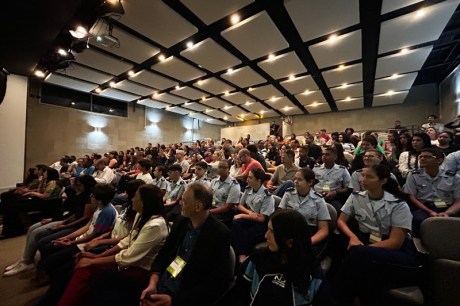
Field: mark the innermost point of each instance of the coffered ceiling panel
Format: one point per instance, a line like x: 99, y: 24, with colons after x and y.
x: 300, y: 84
x: 189, y: 93
x: 266, y: 92
x: 157, y: 21
x: 340, y: 50
x: 258, y: 28
x: 410, y: 61
x: 395, y: 83
x: 95, y: 59
x: 349, y: 104
x: 210, y: 55
x: 70, y: 83
x: 211, y: 11
x: 237, y: 97
x: 118, y: 95
x: 346, y: 75
x: 313, y: 19
x: 213, y: 85
x: 392, y: 5
x: 311, y: 97
x: 316, y: 108
x: 178, y: 69
x: 87, y: 74
x: 386, y: 99
x: 417, y: 27
x: 244, y: 77
x: 178, y: 110
x: 152, y: 103
x: 165, y: 97
x: 352, y: 91
x: 214, y: 102
x: 134, y: 88
x: 283, y: 65
x: 152, y: 80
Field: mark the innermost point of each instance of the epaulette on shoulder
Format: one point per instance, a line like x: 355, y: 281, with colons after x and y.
x: 234, y: 181
x: 319, y: 195
x: 290, y: 189
x: 317, y: 165
x: 343, y: 167
x: 182, y: 182
x: 267, y: 193
x: 415, y: 172
x: 361, y: 193
x: 450, y: 172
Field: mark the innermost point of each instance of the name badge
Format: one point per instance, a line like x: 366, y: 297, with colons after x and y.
x: 168, y: 200
x: 440, y: 203
x: 176, y: 266
x: 214, y: 201
x: 375, y: 237
x: 326, y: 188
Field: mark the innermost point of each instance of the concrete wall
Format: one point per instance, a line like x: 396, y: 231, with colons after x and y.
x: 53, y: 131
x: 449, y: 95
x: 420, y: 102
x: 12, y: 132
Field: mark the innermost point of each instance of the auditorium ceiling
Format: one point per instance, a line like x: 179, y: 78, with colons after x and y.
x: 225, y: 61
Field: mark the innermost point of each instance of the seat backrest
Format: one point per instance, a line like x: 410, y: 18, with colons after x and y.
x: 333, y: 214
x: 440, y: 237
x: 277, y: 201
x: 230, y: 273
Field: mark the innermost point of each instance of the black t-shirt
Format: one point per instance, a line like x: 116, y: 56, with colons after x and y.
x: 75, y: 206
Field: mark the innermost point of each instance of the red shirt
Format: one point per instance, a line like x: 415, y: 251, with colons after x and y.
x: 253, y: 164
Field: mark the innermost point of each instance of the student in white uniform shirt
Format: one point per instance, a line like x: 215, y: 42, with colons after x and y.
x: 158, y: 178
x: 312, y: 206
x: 250, y: 224
x: 201, y: 168
x: 144, y: 166
x: 103, y: 174
x: 381, y: 245
x: 174, y: 192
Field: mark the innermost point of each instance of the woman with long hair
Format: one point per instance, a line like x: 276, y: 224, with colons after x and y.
x: 382, y: 241
x: 345, y: 140
x: 131, y: 258
x: 285, y: 273
x: 408, y: 160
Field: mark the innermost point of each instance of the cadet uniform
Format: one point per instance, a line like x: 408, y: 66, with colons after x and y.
x: 367, y: 269
x: 247, y: 233
x: 312, y: 207
x: 331, y: 180
x: 355, y: 184
x: 204, y: 180
x: 161, y: 183
x: 437, y: 193
x: 227, y: 191
x: 174, y: 192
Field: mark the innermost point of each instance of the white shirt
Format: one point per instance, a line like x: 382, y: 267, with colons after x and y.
x: 104, y: 176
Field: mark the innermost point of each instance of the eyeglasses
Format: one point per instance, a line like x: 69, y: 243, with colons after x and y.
x: 368, y: 156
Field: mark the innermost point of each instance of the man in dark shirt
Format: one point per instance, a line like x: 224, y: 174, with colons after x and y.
x: 274, y: 128
x: 192, y: 267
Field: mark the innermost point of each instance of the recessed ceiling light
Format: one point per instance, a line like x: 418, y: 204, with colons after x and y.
x: 250, y: 89
x: 247, y: 103
x: 98, y: 90
x: 200, y: 82
x: 131, y: 73
x: 177, y: 87
x: 112, y: 84
x: 291, y: 77
x: 347, y: 98
x: 271, y: 57
x: 332, y: 38
x: 420, y: 13
x: 156, y: 94
x: 395, y: 76
x: 273, y: 99
x: 39, y: 73
x: 390, y: 92
x: 225, y: 117
x: 344, y: 85
x: 203, y: 98
x: 262, y: 111
x: 286, y: 108
x: 235, y: 18
x: 404, y: 51
x: 79, y: 32
x: 111, y: 110
x: 62, y: 52
x: 314, y: 104
x: 307, y: 92
x: 230, y: 70
x: 207, y: 110
x: 161, y: 57
x: 341, y: 67
x: 73, y: 103
x: 190, y: 45
x: 227, y: 107
x: 191, y: 113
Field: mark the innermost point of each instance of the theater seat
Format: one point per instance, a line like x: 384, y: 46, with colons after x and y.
x: 327, y: 261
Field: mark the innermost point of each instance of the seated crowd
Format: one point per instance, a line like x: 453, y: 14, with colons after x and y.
x: 236, y: 224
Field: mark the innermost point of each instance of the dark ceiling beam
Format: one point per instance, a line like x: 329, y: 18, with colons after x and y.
x: 369, y: 12
x: 281, y: 18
